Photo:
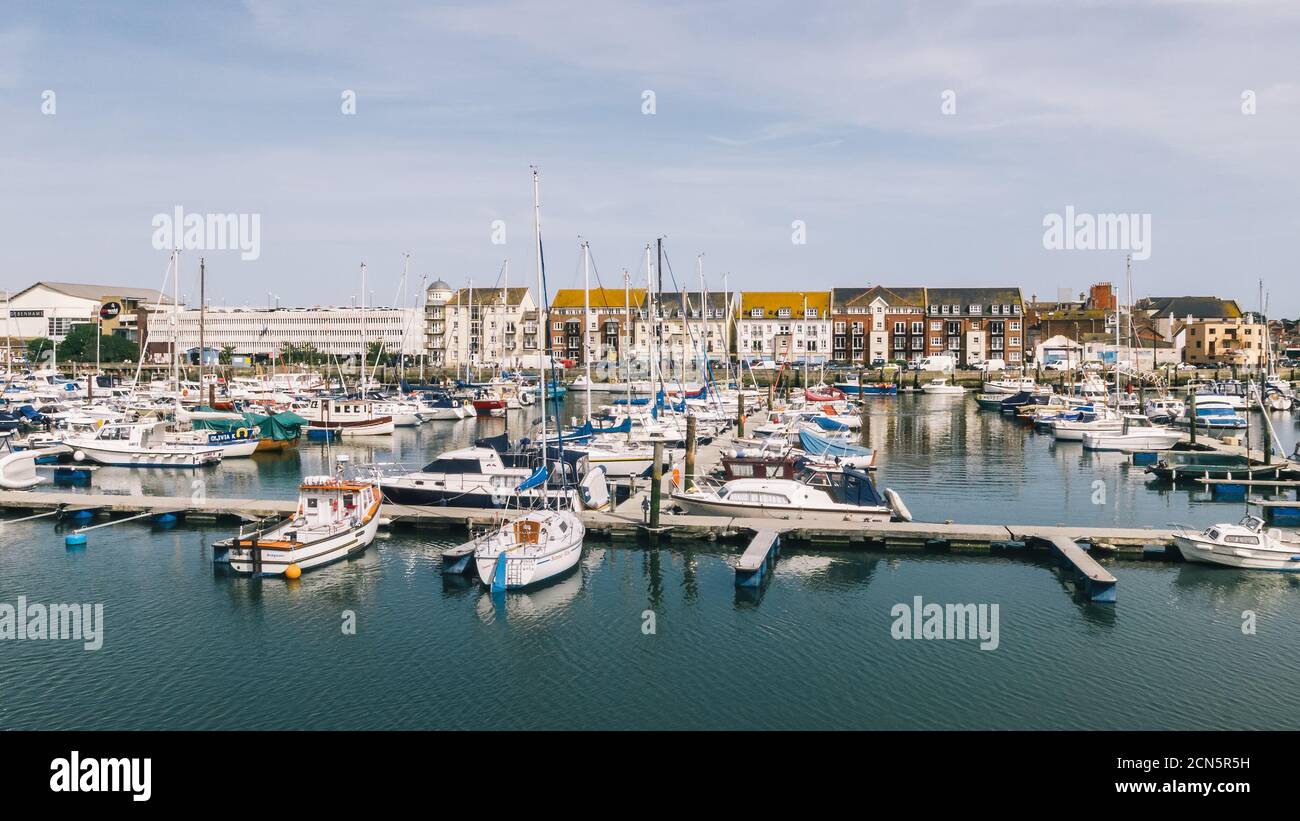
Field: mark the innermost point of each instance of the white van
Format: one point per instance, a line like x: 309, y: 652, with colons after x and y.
x: 938, y: 363
x: 990, y: 365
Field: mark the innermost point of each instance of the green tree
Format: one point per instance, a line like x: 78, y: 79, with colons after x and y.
x: 79, y: 346
x: 227, y: 355
x: 37, y: 348
x: 377, y: 353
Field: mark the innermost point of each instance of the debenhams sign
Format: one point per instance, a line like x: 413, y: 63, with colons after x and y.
x: 26, y: 314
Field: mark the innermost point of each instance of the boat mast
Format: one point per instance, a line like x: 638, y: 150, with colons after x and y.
x: 203, y: 316
x: 651, y: 347
x: 586, y: 319
x: 542, y: 314
x: 364, y: 340
x: 469, y: 329
x: 406, y: 321
x: 505, y: 313
x: 626, y: 335
x: 176, y: 327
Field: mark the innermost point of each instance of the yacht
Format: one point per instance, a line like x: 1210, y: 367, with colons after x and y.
x: 336, y: 518
x: 854, y: 498
x: 1244, y: 545
x: 1137, y: 433
x: 484, y: 476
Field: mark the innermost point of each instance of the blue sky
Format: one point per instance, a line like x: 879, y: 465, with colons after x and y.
x: 766, y: 113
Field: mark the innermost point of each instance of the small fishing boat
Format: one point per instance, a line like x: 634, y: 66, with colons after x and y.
x: 336, y: 518
x: 1137, y: 434
x: 346, y: 417
x: 1245, y: 545
x: 990, y: 401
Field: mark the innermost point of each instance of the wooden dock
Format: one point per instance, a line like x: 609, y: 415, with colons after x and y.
x: 1094, y: 581
x: 758, y: 558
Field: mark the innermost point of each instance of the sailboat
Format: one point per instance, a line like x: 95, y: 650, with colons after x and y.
x: 543, y: 543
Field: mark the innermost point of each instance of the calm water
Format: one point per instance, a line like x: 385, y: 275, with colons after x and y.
x: 186, y: 647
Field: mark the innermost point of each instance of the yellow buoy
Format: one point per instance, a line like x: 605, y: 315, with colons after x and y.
x: 293, y: 571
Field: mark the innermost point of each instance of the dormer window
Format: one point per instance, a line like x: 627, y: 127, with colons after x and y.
x: 809, y: 313
x: 755, y: 313
x: 783, y: 313
x: 975, y: 309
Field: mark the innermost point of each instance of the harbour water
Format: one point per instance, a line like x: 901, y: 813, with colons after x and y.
x: 659, y: 638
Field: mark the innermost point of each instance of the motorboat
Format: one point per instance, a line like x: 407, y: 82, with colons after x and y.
x: 140, y: 444
x: 853, y: 499
x: 941, y: 386
x: 1099, y: 420
x: 1013, y: 386
x: 1137, y: 434
x: 1214, y: 413
x: 1163, y: 409
x: 336, y: 518
x: 1244, y: 545
x: 489, y: 475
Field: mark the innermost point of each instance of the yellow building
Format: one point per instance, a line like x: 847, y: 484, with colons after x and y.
x: 1225, y: 342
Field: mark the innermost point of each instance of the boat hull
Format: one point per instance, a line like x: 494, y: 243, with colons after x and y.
x: 310, y: 556
x: 1196, y: 549
x: 704, y: 507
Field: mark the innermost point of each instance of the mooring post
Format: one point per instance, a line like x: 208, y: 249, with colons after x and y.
x: 656, y: 483
x: 689, y: 480
x: 865, y: 420
x: 862, y: 381
x: 1191, y: 413
x: 740, y: 415
x: 212, y: 395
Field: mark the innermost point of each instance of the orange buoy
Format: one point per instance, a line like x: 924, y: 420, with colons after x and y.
x: 293, y: 571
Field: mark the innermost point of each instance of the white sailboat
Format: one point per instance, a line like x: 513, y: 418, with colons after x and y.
x: 542, y: 544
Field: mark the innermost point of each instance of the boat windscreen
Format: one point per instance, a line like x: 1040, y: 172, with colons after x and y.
x: 858, y: 489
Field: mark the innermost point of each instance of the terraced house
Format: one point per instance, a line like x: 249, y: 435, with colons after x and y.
x: 610, y: 322
x: 872, y: 326
x: 974, y: 325
x: 792, y: 326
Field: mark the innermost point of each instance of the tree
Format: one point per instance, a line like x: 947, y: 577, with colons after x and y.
x: 306, y: 353
x: 227, y: 355
x: 37, y: 348
x: 79, y: 346
x: 377, y: 353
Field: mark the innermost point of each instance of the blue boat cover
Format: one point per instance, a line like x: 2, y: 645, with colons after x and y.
x: 820, y: 446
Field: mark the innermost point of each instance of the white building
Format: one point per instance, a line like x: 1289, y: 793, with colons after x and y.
x: 52, y: 309
x: 486, y: 326
x: 338, y: 332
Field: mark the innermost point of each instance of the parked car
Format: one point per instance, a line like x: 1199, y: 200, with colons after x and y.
x: 1057, y: 365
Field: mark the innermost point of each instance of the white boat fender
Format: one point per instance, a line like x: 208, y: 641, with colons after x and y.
x: 896, y: 505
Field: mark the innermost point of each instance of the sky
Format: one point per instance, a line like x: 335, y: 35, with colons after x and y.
x: 794, y: 145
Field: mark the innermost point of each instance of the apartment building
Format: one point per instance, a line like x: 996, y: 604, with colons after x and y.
x: 793, y: 326
x: 974, y: 325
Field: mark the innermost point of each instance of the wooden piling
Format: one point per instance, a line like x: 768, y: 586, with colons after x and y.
x: 656, y: 484
x: 688, y: 481
x: 740, y: 415
x: 1191, y: 414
